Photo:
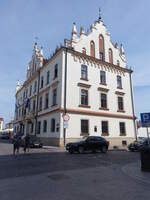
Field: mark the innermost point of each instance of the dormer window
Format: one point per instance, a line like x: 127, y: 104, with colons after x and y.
x: 101, y: 47
x: 92, y: 49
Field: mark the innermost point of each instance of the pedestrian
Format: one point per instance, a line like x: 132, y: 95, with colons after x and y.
x: 26, y: 143
x: 16, y: 144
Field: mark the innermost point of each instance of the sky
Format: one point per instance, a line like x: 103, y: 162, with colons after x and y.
x: 21, y: 21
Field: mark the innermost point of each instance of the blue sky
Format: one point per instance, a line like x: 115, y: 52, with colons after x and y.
x: 51, y: 21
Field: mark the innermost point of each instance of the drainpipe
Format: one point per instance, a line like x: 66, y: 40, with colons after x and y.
x: 131, y: 89
x: 65, y: 91
x: 37, y: 102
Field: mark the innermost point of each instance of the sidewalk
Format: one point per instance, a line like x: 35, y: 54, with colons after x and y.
x: 7, y: 149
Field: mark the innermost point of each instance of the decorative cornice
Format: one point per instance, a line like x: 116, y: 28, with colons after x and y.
x: 102, y: 89
x: 84, y: 85
x: 119, y: 93
x: 97, y: 61
x: 102, y: 114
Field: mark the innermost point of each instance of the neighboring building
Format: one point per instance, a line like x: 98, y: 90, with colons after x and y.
x: 88, y: 79
x: 1, y: 123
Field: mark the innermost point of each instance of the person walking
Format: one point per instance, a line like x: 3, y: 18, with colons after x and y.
x: 16, y: 144
x: 26, y: 143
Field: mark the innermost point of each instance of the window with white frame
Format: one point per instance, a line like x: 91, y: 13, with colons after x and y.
x: 84, y: 72
x: 103, y: 100
x: 84, y: 97
x: 102, y: 77
x: 122, y: 129
x: 54, y: 97
x: 53, y: 122
x: 84, y: 126
x: 45, y: 126
x: 104, y: 126
x: 120, y: 103
x: 119, y: 82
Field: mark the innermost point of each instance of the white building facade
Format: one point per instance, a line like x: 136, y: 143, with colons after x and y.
x: 88, y: 80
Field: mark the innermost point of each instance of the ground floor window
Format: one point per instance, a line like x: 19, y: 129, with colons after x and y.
x: 32, y: 126
x: 53, y: 125
x: 84, y: 126
x: 105, y: 128
x: 39, y: 127
x: 45, y: 126
x: 122, y: 129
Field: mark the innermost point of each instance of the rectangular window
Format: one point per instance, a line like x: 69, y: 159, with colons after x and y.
x: 35, y: 86
x: 45, y: 126
x: 120, y: 104
x: 119, y: 82
x: 103, y: 100
x: 105, y: 128
x: 32, y: 127
x: 84, y: 97
x: 84, y: 73
x: 101, y: 56
x: 56, y: 71
x: 34, y: 103
x: 84, y: 126
x: 103, y: 77
x: 42, y: 81
x: 26, y: 94
x: 48, y: 77
x: 46, y: 100
x: 53, y: 125
x: 30, y: 90
x: 39, y: 127
x: 40, y: 104
x: 122, y: 129
x: 54, y: 100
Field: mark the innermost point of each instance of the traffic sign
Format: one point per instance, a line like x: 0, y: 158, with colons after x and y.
x: 145, y: 119
x: 66, y: 117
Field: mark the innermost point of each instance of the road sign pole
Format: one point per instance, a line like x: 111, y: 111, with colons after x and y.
x: 147, y: 135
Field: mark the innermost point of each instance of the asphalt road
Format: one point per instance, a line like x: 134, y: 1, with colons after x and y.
x: 29, y: 164
x: 59, y: 175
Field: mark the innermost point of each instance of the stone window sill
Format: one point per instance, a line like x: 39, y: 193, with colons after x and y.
x: 84, y: 79
x: 103, y: 84
x: 103, y: 108
x: 122, y: 111
x: 54, y: 105
x: 84, y: 106
x: 120, y: 88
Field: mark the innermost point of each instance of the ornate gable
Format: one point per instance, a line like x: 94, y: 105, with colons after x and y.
x: 97, y: 43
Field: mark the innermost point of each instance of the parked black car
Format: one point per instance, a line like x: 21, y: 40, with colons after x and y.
x: 91, y: 143
x: 138, y: 145
x: 34, y: 142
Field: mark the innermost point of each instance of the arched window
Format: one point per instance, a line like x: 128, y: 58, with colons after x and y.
x: 84, y: 50
x: 110, y: 56
x: 101, y: 48
x: 92, y: 49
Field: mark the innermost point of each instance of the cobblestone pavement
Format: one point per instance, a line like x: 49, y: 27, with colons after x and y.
x: 54, y: 174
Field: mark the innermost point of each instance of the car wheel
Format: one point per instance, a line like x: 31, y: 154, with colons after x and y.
x: 81, y: 149
x: 71, y: 151
x: 104, y: 149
